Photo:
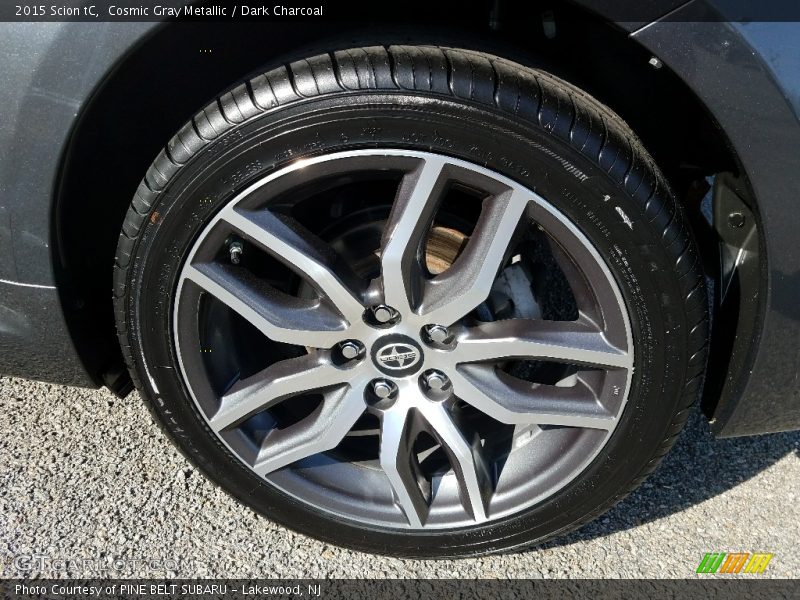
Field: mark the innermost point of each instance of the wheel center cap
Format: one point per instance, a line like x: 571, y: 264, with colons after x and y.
x: 397, y: 355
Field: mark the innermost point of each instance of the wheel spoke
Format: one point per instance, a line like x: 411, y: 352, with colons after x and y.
x: 516, y: 402
x: 279, y: 317
x: 320, y: 431
x: 300, y: 251
x: 474, y: 481
x: 396, y: 456
x: 408, y: 223
x: 462, y: 287
x: 270, y: 386
x: 571, y: 342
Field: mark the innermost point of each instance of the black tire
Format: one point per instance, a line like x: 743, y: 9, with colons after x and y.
x: 518, y: 121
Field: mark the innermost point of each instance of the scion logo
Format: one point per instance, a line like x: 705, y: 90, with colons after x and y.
x: 397, y: 355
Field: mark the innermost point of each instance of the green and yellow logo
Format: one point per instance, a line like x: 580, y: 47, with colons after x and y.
x: 736, y: 562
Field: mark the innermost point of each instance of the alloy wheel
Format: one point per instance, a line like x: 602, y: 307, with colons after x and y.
x: 424, y: 380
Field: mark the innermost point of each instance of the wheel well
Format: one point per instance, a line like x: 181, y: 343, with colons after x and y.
x: 180, y: 67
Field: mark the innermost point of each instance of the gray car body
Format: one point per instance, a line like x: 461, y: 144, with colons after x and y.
x: 746, y: 74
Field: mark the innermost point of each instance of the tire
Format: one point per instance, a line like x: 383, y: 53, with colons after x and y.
x: 526, y: 126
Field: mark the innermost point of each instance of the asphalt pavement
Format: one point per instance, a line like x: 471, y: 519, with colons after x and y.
x: 88, y: 484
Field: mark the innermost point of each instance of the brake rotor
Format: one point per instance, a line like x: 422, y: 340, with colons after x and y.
x: 442, y: 248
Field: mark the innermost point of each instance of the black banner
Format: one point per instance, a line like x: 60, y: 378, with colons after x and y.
x: 440, y: 11
x: 396, y: 589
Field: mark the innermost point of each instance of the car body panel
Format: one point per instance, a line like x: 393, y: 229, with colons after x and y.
x: 50, y: 71
x: 745, y: 74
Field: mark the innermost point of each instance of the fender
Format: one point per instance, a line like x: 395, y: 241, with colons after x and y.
x: 38, y: 118
x: 757, y: 387
x: 718, y: 48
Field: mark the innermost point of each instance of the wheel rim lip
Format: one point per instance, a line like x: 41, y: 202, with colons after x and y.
x: 286, y: 479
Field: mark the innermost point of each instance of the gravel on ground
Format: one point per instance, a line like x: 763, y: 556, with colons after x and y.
x: 89, y: 480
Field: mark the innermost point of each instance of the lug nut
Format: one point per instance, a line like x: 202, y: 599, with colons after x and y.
x: 435, y: 380
x: 235, y: 249
x: 438, y: 333
x: 350, y: 349
x: 736, y: 219
x: 383, y: 313
x: 382, y: 388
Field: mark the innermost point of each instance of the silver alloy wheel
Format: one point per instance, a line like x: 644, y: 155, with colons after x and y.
x: 556, y: 430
